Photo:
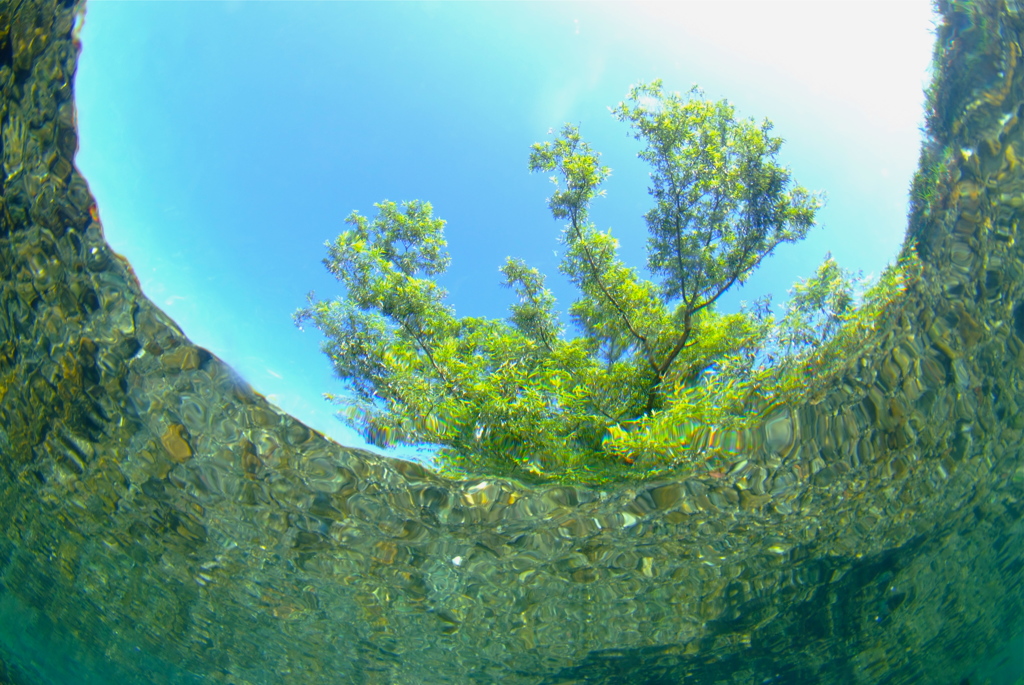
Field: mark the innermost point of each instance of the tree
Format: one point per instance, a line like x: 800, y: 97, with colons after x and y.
x: 817, y: 309
x: 722, y: 201
x: 517, y: 395
x: 828, y: 323
x: 482, y: 389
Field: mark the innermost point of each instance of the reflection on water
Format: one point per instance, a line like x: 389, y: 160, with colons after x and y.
x: 161, y: 523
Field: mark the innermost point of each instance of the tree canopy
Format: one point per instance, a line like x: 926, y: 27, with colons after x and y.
x: 521, y: 395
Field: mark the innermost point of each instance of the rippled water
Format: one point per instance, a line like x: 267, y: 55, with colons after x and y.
x: 162, y: 523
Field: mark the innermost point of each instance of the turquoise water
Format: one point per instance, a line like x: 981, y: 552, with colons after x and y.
x: 161, y: 522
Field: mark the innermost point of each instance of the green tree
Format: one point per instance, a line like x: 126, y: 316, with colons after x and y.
x: 722, y: 201
x: 817, y: 309
x: 518, y: 395
x: 830, y: 320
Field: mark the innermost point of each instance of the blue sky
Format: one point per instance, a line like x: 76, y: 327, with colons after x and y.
x: 226, y: 142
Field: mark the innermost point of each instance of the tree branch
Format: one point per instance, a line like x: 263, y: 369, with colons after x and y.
x: 648, y: 353
x: 417, y: 335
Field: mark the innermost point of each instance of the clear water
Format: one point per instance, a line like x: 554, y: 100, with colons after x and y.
x: 162, y: 523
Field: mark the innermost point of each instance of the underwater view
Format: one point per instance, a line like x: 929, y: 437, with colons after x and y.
x: 382, y: 399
